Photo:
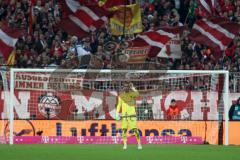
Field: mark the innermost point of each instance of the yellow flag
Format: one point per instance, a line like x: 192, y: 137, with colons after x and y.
x: 131, y: 15
x: 111, y: 5
x: 101, y: 2
x: 11, y: 58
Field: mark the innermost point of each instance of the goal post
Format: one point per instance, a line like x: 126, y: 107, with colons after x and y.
x: 158, y: 83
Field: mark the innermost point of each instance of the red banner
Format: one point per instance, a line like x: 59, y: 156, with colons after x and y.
x: 86, y: 104
x: 26, y: 81
x: 137, y: 54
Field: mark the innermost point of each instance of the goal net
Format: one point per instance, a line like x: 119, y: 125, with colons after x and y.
x: 79, y: 106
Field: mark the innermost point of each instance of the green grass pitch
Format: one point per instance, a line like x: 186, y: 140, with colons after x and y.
x: 115, y: 152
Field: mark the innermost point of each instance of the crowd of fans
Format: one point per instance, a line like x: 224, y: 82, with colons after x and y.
x: 49, y: 46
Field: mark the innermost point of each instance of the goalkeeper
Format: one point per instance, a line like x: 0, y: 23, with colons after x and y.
x: 127, y: 104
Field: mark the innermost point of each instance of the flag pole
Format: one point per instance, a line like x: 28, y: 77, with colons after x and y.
x: 124, y: 19
x: 186, y: 18
x: 189, y: 10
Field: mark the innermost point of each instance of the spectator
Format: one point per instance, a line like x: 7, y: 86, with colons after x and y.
x: 234, y: 112
x: 173, y: 112
x: 47, y: 44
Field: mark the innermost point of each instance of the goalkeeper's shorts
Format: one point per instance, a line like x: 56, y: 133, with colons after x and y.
x: 129, y: 122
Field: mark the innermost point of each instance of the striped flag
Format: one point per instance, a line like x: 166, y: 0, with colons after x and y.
x: 157, y: 39
x: 203, y: 8
x: 80, y: 19
x: 8, y: 39
x: 217, y: 33
x: 208, y: 6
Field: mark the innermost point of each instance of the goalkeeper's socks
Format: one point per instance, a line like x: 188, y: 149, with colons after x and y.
x: 124, y: 136
x: 138, y: 140
x: 139, y: 146
x: 137, y: 136
x: 125, y: 146
x: 124, y: 139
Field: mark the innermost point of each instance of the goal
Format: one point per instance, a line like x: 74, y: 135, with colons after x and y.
x: 78, y: 106
x: 4, y: 88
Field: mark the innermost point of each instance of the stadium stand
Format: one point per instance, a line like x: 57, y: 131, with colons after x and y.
x: 44, y: 43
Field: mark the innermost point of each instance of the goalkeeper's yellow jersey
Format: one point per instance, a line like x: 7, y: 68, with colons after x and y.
x: 127, y: 102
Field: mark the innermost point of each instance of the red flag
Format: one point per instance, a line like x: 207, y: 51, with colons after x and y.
x: 230, y: 51
x: 215, y: 33
x: 208, y: 6
x: 8, y: 39
x: 157, y: 39
x: 80, y: 19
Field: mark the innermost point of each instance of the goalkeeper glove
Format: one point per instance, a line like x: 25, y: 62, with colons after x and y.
x: 117, y: 117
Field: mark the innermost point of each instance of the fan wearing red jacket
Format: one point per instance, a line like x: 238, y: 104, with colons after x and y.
x: 173, y: 111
